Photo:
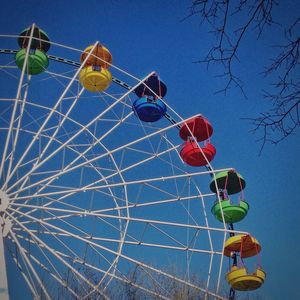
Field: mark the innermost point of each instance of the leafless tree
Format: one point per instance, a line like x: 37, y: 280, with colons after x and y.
x: 138, y: 284
x: 155, y: 285
x: 230, y: 22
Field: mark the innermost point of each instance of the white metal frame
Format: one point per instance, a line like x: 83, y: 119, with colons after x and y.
x: 57, y: 213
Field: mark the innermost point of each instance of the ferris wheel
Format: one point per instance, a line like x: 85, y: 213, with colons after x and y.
x: 105, y: 189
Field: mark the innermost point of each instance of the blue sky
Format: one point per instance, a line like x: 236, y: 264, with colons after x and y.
x: 150, y: 35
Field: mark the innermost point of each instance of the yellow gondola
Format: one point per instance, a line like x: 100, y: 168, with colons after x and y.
x: 95, y: 80
x: 240, y: 280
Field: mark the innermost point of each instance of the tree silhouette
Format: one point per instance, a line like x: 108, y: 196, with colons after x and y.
x: 137, y: 284
x: 229, y: 22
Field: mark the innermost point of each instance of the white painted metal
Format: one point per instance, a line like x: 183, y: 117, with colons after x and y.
x: 3, y: 274
x: 162, y: 178
x: 18, y: 96
x: 51, y: 232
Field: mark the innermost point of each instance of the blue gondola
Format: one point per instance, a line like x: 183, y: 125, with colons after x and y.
x: 149, y: 110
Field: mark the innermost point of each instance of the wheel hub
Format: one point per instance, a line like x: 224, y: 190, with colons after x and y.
x: 4, y: 201
x: 5, y: 222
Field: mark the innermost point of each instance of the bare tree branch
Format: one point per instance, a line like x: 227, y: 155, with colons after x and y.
x: 228, y: 36
x: 230, y: 22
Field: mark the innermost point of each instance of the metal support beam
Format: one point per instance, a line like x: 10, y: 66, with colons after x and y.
x: 3, y: 276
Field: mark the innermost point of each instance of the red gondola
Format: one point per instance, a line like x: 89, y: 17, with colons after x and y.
x: 192, y: 155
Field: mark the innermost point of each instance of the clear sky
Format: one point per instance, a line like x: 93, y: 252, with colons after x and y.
x: 150, y: 35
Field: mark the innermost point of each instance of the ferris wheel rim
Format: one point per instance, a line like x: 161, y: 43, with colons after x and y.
x: 212, y: 171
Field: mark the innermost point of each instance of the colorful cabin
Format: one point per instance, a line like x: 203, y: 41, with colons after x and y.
x: 192, y: 155
x: 232, y: 213
x: 198, y: 126
x: 155, y: 84
x: 37, y: 61
x: 149, y: 110
x: 245, y: 244
x: 239, y: 279
x: 231, y: 181
x: 99, y: 57
x: 40, y: 39
x: 95, y: 80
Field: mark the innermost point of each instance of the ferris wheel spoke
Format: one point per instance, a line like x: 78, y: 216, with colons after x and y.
x: 57, y: 77
x: 61, y: 259
x: 209, y: 238
x: 180, y: 225
x: 121, y: 277
x: 7, y: 69
x: 52, y: 171
x: 107, y: 154
x: 51, y: 138
x: 18, y: 96
x: 120, y: 184
x: 4, y: 111
x: 15, y: 139
x: 155, y: 188
x: 71, y: 256
x: 51, y: 201
x: 187, y: 248
x: 57, y: 277
x: 79, y: 232
x: 78, y: 132
x: 110, y: 194
x: 113, y: 101
x: 129, y: 259
x: 66, y: 169
x: 27, y: 261
x: 53, y: 110
x: 147, y: 221
x: 163, y: 232
x: 133, y: 240
x: 75, y: 257
x: 61, y: 198
x: 27, y: 279
x: 38, y: 233
x: 54, y: 176
x: 83, y: 234
x: 181, y: 246
x: 152, y: 203
x: 82, y: 213
x: 79, y: 156
x: 137, y: 242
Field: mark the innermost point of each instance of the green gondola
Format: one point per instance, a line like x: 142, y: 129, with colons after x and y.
x: 37, y: 61
x: 232, y: 213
